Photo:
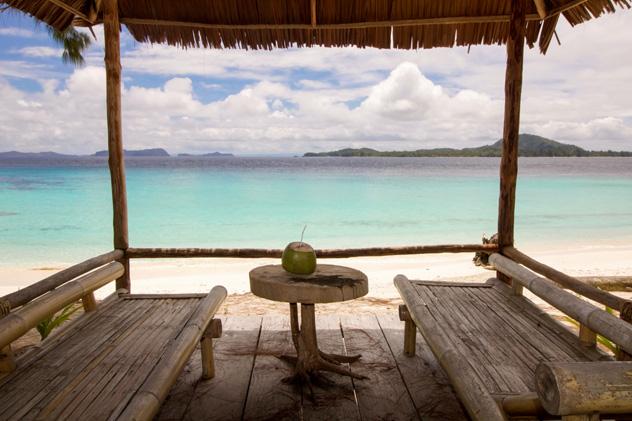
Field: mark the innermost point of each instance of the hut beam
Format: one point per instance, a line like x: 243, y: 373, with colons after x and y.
x: 541, y: 8
x: 511, y: 128
x: 116, y: 162
x: 449, y: 20
x: 68, y: 8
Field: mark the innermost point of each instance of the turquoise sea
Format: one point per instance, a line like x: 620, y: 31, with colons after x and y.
x: 54, y: 211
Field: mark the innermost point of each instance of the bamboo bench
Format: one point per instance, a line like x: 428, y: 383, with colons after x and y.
x: 116, y: 361
x: 506, y: 357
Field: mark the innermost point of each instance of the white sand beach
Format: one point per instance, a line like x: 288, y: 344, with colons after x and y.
x: 200, y: 275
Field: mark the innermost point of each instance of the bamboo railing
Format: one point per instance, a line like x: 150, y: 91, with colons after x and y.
x: 24, y: 295
x: 568, y: 282
x: 597, y: 320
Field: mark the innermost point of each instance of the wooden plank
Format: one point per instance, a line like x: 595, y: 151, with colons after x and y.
x: 511, y: 129
x: 448, y: 284
x: 321, y: 253
x: 335, y: 400
x: 425, y: 380
x: 116, y: 162
x: 224, y: 396
x: 268, y: 397
x: 384, y: 394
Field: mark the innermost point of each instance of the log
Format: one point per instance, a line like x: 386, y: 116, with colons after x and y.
x: 598, y: 320
x: 20, y: 321
x: 576, y: 388
x: 116, y: 162
x: 472, y: 392
x: 23, y: 296
x: 146, y: 402
x: 566, y: 281
x: 154, y: 253
x: 511, y: 128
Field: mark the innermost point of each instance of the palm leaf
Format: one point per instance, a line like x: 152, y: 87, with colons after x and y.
x: 46, y: 326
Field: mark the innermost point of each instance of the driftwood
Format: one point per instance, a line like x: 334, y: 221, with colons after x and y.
x: 23, y: 296
x: 572, y: 388
x: 566, y: 281
x: 322, y: 253
x: 20, y: 321
x: 598, y: 320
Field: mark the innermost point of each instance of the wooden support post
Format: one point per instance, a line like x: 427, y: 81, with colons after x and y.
x: 626, y: 315
x: 516, y: 289
x: 587, y: 337
x: 7, y: 359
x: 214, y: 330
x: 116, y: 162
x: 410, y: 331
x: 511, y: 128
x: 89, y: 302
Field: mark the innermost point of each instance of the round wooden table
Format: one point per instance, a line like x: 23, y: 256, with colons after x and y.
x: 328, y: 284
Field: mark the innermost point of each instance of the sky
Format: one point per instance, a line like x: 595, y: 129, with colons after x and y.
x: 314, y: 99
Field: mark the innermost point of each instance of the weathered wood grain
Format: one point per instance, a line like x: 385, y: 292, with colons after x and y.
x: 268, y: 397
x: 329, y: 283
x: 425, y: 380
x: 334, y: 398
x: 383, y: 395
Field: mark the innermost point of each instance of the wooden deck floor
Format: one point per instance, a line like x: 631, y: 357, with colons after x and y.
x: 248, y: 384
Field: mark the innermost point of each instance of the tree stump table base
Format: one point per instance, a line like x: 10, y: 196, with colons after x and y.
x: 328, y: 284
x: 309, y: 361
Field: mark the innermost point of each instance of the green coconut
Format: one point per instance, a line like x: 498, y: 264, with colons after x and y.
x: 299, y: 258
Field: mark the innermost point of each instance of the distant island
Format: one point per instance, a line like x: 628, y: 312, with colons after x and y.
x: 211, y: 154
x: 529, y: 146
x: 139, y: 153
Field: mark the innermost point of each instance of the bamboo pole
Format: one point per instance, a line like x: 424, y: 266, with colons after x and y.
x: 26, y: 294
x: 598, y: 320
x: 576, y: 388
x: 116, y: 162
x: 20, y: 321
x: 513, y: 91
x: 410, y: 331
x: 146, y: 402
x: 574, y: 284
x: 133, y: 253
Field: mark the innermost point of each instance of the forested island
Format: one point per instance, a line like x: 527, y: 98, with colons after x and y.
x: 529, y: 146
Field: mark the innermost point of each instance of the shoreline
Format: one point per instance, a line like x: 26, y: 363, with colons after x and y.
x: 200, y: 275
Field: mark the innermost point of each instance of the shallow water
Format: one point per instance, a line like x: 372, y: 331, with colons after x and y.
x: 60, y: 210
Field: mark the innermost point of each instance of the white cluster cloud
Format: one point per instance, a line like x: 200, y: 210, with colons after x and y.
x: 318, y: 99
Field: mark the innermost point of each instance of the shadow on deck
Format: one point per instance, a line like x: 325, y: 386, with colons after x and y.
x: 248, y: 382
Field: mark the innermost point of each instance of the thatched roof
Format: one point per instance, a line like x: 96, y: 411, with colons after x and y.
x: 266, y: 24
